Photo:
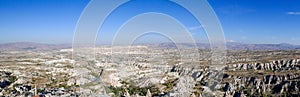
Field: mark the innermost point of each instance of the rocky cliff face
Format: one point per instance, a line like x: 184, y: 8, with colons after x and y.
x: 276, y: 78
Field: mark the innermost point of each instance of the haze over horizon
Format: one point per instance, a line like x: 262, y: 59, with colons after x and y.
x: 243, y: 21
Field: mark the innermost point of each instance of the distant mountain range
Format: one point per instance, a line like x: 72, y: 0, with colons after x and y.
x: 32, y: 46
x: 229, y: 46
x: 281, y: 46
x: 233, y: 46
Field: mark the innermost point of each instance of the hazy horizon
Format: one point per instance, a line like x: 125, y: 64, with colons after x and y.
x: 97, y: 44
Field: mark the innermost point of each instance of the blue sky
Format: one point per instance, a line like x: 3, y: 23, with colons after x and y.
x: 246, y: 21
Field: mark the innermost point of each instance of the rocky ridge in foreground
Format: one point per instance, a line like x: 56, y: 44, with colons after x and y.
x: 276, y: 78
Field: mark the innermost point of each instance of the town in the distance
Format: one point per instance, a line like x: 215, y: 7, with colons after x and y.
x: 150, y: 70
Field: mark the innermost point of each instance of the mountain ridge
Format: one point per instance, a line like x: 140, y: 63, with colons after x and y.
x: 229, y: 46
x: 32, y: 46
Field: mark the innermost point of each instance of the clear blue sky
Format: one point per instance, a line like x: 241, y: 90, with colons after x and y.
x: 247, y: 21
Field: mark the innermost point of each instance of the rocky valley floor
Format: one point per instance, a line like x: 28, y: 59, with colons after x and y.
x: 142, y: 71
